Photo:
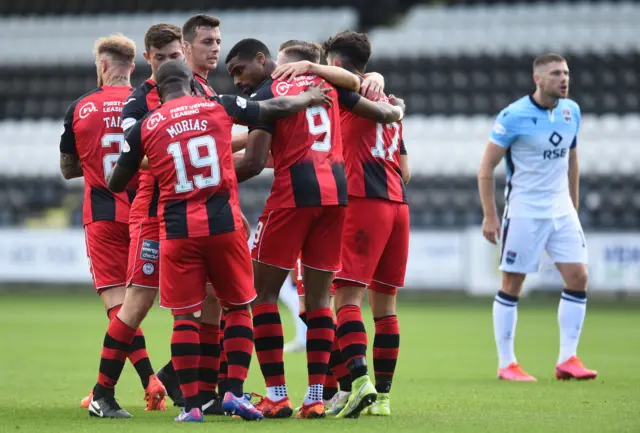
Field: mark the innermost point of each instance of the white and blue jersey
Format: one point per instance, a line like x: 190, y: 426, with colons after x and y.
x: 538, y: 141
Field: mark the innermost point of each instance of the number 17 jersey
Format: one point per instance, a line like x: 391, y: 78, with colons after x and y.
x: 306, y: 148
x: 372, y: 153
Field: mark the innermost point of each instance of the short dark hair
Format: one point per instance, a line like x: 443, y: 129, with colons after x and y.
x: 201, y: 20
x: 173, y: 72
x: 247, y: 49
x: 353, y: 48
x: 302, y: 50
x: 160, y: 35
x: 545, y: 59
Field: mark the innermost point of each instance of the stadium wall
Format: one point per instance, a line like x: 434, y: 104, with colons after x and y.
x: 438, y: 260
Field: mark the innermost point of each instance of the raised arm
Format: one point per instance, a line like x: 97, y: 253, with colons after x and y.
x: 333, y: 74
x: 487, y: 189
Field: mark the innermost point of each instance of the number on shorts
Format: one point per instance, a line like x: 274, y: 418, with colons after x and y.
x: 110, y: 159
x: 209, y: 160
x: 256, y: 236
x: 324, y: 127
x: 381, y: 151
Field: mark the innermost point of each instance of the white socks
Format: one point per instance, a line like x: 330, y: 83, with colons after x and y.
x: 289, y: 297
x: 314, y: 394
x: 276, y: 393
x: 505, y: 318
x: 571, y: 312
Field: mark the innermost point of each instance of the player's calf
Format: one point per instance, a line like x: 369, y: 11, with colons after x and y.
x: 185, y: 356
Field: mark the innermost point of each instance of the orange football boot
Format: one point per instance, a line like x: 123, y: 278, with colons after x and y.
x: 514, y: 373
x: 573, y: 368
x: 314, y: 410
x: 155, y: 394
x: 85, y: 402
x: 274, y: 409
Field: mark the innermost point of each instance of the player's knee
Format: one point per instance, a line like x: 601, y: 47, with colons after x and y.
x: 320, y: 301
x: 382, y: 304
x: 348, y: 293
x: 578, y: 279
x: 192, y: 317
x: 266, y: 297
x: 512, y: 283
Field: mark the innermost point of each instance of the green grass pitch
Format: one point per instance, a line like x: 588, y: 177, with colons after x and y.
x: 445, y: 382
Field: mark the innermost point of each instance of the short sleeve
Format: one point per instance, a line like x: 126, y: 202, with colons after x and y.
x: 134, y: 109
x: 240, y: 109
x: 403, y: 148
x: 68, y: 137
x: 504, y: 131
x: 132, y: 153
x: 264, y: 93
x: 347, y: 98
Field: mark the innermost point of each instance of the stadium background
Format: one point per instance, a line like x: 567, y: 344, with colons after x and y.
x: 456, y: 64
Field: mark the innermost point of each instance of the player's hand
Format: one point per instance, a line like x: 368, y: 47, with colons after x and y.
x: 491, y: 229
x: 372, y: 86
x: 145, y: 163
x: 291, y: 70
x: 319, y: 96
x: 246, y: 226
x: 398, y: 102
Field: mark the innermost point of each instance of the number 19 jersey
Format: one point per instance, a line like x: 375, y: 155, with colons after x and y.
x: 307, y: 150
x: 92, y: 130
x: 188, y: 143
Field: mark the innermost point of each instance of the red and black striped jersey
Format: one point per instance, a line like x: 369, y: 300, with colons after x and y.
x: 142, y: 100
x: 202, y: 86
x: 307, y: 150
x: 371, y: 153
x: 93, y: 131
x: 188, y: 143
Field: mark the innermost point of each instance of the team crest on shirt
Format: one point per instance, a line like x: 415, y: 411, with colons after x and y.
x: 87, y: 109
x: 499, y: 129
x: 148, y: 268
x: 511, y: 257
x: 282, y: 88
x: 566, y: 113
x: 154, y: 120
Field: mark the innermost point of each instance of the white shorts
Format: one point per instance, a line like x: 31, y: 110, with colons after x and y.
x: 525, y: 239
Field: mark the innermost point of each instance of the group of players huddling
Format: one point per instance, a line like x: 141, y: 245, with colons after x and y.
x: 161, y: 210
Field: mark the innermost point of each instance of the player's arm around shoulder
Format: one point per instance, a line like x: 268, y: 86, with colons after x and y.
x: 70, y: 165
x: 333, y: 74
x: 380, y: 112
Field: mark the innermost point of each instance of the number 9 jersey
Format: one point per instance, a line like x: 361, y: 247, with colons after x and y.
x: 92, y: 130
x: 306, y: 148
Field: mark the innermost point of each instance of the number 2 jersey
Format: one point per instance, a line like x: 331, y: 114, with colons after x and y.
x: 306, y: 148
x: 188, y: 143
x: 371, y: 153
x: 92, y: 130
